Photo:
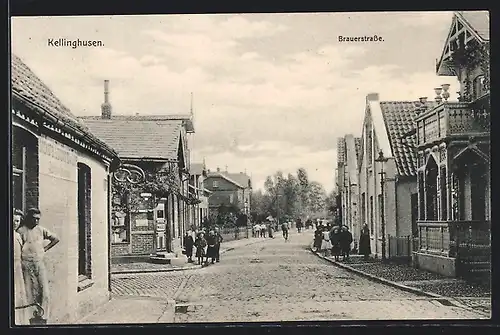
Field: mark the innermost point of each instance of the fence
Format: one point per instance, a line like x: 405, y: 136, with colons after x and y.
x: 230, y: 234
x: 402, y: 246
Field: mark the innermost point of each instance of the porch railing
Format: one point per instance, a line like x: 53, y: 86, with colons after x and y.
x: 451, y: 238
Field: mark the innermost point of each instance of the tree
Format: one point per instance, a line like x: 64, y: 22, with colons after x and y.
x: 303, y: 189
x: 331, y: 203
x: 317, y: 197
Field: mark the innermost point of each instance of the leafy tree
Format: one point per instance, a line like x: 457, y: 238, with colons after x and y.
x: 317, y: 198
x: 303, y: 189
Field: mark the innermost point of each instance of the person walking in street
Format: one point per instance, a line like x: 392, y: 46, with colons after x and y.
x: 364, y: 242
x: 270, y: 230
x: 33, y: 237
x: 21, y: 317
x: 211, y: 251
x: 335, y: 239
x: 263, y: 229
x: 345, y: 242
x: 188, y: 246
x: 218, y: 241
x: 299, y: 225
x: 284, y: 230
x: 200, y: 244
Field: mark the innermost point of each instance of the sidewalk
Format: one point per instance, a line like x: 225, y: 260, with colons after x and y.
x: 130, y: 309
x: 141, y: 267
x: 408, y: 278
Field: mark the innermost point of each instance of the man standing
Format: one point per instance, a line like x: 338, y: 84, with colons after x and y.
x: 32, y: 258
x: 188, y: 245
x: 284, y: 229
x: 218, y: 241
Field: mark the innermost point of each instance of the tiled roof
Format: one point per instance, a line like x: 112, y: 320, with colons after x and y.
x: 173, y: 117
x: 241, y: 178
x: 28, y: 88
x: 196, y: 168
x: 226, y: 176
x: 399, y: 119
x: 479, y: 21
x: 139, y: 139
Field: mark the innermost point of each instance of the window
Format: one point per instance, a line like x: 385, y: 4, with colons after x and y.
x: 24, y: 169
x: 84, y: 221
x: 478, y: 88
x: 444, y: 195
x: 372, y: 224
x: 215, y: 184
x: 363, y: 208
x: 414, y: 214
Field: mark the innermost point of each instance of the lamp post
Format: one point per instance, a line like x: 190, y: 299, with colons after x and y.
x: 246, y: 216
x: 382, y: 160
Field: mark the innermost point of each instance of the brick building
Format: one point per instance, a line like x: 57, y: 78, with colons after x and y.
x: 63, y: 169
x: 150, y: 142
x: 229, y: 189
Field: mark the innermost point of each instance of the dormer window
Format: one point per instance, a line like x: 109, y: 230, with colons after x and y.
x: 215, y: 184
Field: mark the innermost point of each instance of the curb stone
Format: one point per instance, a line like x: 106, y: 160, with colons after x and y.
x: 406, y: 288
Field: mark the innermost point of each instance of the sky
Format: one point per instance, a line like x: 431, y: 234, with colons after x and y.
x: 270, y: 91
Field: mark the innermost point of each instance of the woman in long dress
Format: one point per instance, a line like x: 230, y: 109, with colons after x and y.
x: 326, y: 245
x: 21, y: 315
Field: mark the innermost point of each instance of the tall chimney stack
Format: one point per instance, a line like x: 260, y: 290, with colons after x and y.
x: 106, y: 106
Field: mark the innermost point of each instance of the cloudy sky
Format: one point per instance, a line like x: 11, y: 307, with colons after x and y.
x: 271, y: 91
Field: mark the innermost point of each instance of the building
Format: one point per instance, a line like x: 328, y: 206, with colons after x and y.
x: 200, y: 211
x: 384, y: 128
x: 348, y: 152
x: 229, y: 189
x: 453, y: 140
x: 60, y: 167
x: 154, y: 215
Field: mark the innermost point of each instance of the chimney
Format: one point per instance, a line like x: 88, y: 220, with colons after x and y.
x: 218, y: 169
x: 372, y: 97
x: 106, y: 106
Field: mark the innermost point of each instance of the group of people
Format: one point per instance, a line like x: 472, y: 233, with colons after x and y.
x: 336, y: 240
x: 263, y: 229
x: 31, y: 284
x: 207, y: 245
x: 333, y: 239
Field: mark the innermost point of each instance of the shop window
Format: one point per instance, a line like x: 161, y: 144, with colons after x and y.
x: 84, y: 221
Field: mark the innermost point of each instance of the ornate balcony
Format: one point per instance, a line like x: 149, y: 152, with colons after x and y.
x: 453, y: 119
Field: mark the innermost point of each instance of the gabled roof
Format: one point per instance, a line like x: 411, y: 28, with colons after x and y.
x: 139, y: 138
x: 29, y: 90
x: 225, y: 177
x: 399, y: 119
x: 187, y: 119
x: 469, y: 25
x: 241, y: 178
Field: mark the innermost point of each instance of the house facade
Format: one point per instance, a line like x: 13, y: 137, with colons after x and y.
x: 348, y: 151
x: 146, y: 222
x: 453, y: 140
x: 63, y: 169
x: 385, y: 126
x: 198, y: 173
x: 229, y: 189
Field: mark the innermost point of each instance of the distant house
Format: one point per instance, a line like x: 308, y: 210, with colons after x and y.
x: 63, y: 169
x: 152, y: 143
x: 453, y: 143
x: 198, y: 173
x: 229, y: 189
x: 385, y: 126
x: 348, y: 152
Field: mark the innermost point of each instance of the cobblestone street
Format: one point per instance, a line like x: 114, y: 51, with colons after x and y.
x: 278, y: 281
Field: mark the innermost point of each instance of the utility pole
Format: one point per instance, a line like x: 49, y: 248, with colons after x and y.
x: 382, y: 160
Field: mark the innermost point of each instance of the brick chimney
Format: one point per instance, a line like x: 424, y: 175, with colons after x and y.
x: 372, y: 97
x: 106, y: 106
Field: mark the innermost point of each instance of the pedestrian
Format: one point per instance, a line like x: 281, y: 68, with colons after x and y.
x: 33, y: 237
x: 211, y: 251
x: 364, y: 242
x: 21, y: 315
x: 188, y: 246
x: 270, y: 230
x: 256, y: 230
x: 326, y: 245
x: 284, y: 229
x: 218, y: 241
x: 345, y: 242
x: 263, y: 229
x: 318, y: 238
x: 335, y: 239
x: 200, y: 244
x: 299, y: 225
